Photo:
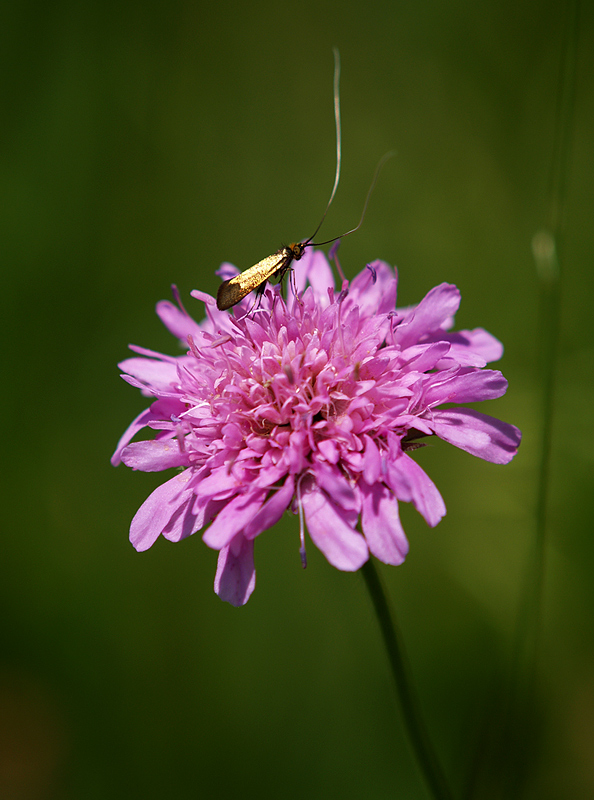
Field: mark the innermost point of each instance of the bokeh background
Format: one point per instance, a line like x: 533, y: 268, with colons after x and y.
x: 145, y: 143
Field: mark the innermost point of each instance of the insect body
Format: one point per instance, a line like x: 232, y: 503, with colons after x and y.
x: 277, y: 265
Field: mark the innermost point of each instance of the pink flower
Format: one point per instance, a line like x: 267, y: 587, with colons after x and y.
x: 311, y: 405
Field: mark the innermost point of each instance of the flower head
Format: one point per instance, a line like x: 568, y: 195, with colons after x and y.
x: 312, y: 405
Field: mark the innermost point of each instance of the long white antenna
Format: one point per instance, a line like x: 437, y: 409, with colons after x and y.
x: 338, y: 135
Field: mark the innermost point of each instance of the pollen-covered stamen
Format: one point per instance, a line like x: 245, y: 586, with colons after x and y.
x: 180, y: 432
x: 302, y: 551
x: 341, y: 297
x: 193, y: 349
x: 333, y: 256
x: 371, y: 268
x: 221, y: 340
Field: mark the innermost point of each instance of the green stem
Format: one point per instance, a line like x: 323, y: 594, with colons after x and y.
x: 418, y: 736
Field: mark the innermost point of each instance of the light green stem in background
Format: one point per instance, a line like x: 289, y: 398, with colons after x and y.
x: 547, y: 247
x: 417, y: 733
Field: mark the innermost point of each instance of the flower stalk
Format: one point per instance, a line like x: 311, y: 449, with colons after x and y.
x: 417, y: 732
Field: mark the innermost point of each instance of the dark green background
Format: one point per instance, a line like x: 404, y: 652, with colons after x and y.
x: 145, y: 143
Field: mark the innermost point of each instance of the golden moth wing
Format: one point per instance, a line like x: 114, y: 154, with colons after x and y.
x: 236, y: 288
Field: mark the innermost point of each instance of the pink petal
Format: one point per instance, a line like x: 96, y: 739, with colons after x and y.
x: 154, y: 374
x: 467, y: 386
x: 344, y: 548
x: 410, y: 484
x: 233, y: 518
x: 141, y: 420
x: 381, y: 525
x: 334, y: 483
x: 158, y: 509
x: 178, y: 322
x: 226, y: 271
x: 478, y: 434
x: 154, y: 456
x: 374, y: 289
x: 236, y: 577
x: 219, y: 485
x: 372, y: 461
x: 468, y: 345
x: 272, y: 510
x: 315, y: 269
x: 188, y: 518
x: 434, y: 310
x: 424, y: 357
x: 329, y: 450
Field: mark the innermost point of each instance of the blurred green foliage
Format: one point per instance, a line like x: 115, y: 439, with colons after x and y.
x: 144, y: 144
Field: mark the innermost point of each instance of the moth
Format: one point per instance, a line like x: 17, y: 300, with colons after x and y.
x: 277, y: 265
